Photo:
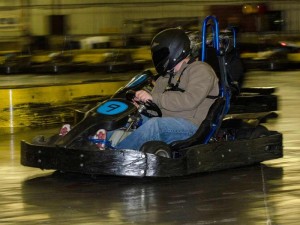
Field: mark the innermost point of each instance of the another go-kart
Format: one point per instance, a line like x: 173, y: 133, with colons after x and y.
x: 221, y: 141
x: 15, y: 63
x: 280, y: 56
x: 112, y: 61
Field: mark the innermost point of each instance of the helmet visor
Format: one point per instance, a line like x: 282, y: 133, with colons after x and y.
x: 160, y: 59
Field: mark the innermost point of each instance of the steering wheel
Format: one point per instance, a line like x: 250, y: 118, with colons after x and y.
x: 150, y: 108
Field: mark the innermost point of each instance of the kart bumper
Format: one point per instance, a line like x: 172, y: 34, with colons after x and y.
x: 198, y: 158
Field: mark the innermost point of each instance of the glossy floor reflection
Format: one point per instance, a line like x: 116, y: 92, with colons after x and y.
x: 263, y: 194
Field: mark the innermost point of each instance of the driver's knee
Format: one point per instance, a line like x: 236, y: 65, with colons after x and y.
x: 152, y: 125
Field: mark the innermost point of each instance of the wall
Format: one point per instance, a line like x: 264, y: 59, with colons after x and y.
x: 291, y: 12
x: 95, y: 17
x: 92, y: 16
x: 93, y: 20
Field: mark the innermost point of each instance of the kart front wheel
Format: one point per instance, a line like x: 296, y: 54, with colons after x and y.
x: 158, y: 148
x: 42, y: 140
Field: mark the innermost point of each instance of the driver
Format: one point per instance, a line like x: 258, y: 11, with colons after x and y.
x: 184, y: 92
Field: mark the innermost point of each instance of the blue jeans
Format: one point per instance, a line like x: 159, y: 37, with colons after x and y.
x: 167, y: 129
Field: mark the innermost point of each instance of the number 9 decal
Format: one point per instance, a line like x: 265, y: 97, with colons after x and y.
x: 112, y: 108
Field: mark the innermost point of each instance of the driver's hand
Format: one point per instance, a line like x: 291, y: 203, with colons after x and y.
x: 142, y: 96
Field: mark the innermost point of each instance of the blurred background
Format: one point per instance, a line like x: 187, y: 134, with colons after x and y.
x: 46, y: 24
x: 266, y: 29
x: 39, y: 31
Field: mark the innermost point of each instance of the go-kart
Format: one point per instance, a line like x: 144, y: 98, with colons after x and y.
x: 278, y: 56
x: 221, y: 141
x: 15, y: 63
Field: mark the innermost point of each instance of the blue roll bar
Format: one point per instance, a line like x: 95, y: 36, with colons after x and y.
x: 224, y: 87
x: 215, y: 36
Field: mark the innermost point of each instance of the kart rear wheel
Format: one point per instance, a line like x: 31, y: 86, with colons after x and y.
x: 158, y: 148
x: 252, y: 132
x: 259, y: 131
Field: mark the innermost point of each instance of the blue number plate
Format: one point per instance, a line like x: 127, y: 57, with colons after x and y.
x: 112, y: 108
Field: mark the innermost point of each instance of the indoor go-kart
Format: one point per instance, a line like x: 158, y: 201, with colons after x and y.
x: 219, y: 143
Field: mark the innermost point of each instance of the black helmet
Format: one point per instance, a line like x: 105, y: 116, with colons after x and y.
x: 168, y: 48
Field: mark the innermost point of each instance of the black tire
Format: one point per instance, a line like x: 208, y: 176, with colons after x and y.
x: 40, y: 139
x: 251, y: 132
x: 158, y: 148
x: 259, y: 131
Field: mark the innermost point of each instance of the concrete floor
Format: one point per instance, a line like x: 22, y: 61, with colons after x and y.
x: 262, y: 194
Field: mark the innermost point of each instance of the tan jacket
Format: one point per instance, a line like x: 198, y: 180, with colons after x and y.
x: 198, y: 80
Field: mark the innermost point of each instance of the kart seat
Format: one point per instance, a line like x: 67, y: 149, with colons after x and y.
x: 207, y: 128
x: 234, y: 67
x: 212, y: 59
